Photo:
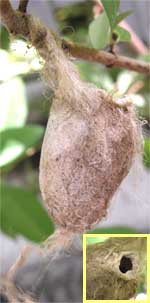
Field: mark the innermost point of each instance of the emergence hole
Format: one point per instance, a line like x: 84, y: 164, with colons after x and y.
x: 125, y: 264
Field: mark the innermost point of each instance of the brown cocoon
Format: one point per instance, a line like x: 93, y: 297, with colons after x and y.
x: 86, y: 153
x: 89, y: 144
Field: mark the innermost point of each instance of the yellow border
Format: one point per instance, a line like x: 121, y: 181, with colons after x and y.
x: 85, y: 236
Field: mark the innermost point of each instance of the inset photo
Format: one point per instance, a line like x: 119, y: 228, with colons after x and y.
x: 114, y: 267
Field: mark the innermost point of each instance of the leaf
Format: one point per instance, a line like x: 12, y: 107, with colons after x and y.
x: 146, y: 155
x: 123, y: 34
x: 99, y: 31
x: 4, y: 38
x: 111, y: 8
x: 15, y: 143
x: 113, y: 230
x: 13, y: 103
x: 23, y: 214
x: 123, y: 15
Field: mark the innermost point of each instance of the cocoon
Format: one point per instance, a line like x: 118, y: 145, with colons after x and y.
x: 89, y: 145
x: 90, y: 140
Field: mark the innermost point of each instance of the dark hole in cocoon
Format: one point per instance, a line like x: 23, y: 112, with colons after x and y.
x: 3, y: 298
x: 125, y: 264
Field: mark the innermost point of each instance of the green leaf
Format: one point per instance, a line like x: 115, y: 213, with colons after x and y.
x: 123, y: 34
x: 113, y: 230
x: 146, y: 155
x: 111, y: 8
x: 13, y: 104
x: 15, y: 143
x: 4, y: 38
x: 123, y: 15
x: 23, y: 214
x: 99, y: 31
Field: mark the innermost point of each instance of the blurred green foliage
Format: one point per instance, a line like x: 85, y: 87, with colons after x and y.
x: 74, y: 20
x: 99, y: 31
x: 104, y: 30
x: 146, y: 156
x: 22, y: 213
x: 17, y: 143
x: 15, y: 109
x: 122, y: 34
x: 111, y: 8
x: 20, y: 209
x: 4, y: 38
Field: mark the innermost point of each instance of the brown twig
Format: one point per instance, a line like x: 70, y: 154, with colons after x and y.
x: 13, y: 20
x: 17, y: 24
x: 23, y: 6
x: 106, y: 58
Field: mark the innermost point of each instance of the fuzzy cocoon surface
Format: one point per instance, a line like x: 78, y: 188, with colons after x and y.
x: 89, y: 143
x: 84, y: 159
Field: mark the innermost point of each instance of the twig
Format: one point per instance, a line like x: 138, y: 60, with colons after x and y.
x: 17, y: 24
x: 23, y: 6
x: 106, y: 58
x: 14, y: 22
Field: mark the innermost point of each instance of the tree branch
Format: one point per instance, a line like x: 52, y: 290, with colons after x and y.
x: 17, y: 24
x: 13, y: 20
x: 106, y: 58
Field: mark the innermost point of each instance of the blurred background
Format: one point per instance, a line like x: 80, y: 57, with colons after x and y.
x: 24, y: 109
